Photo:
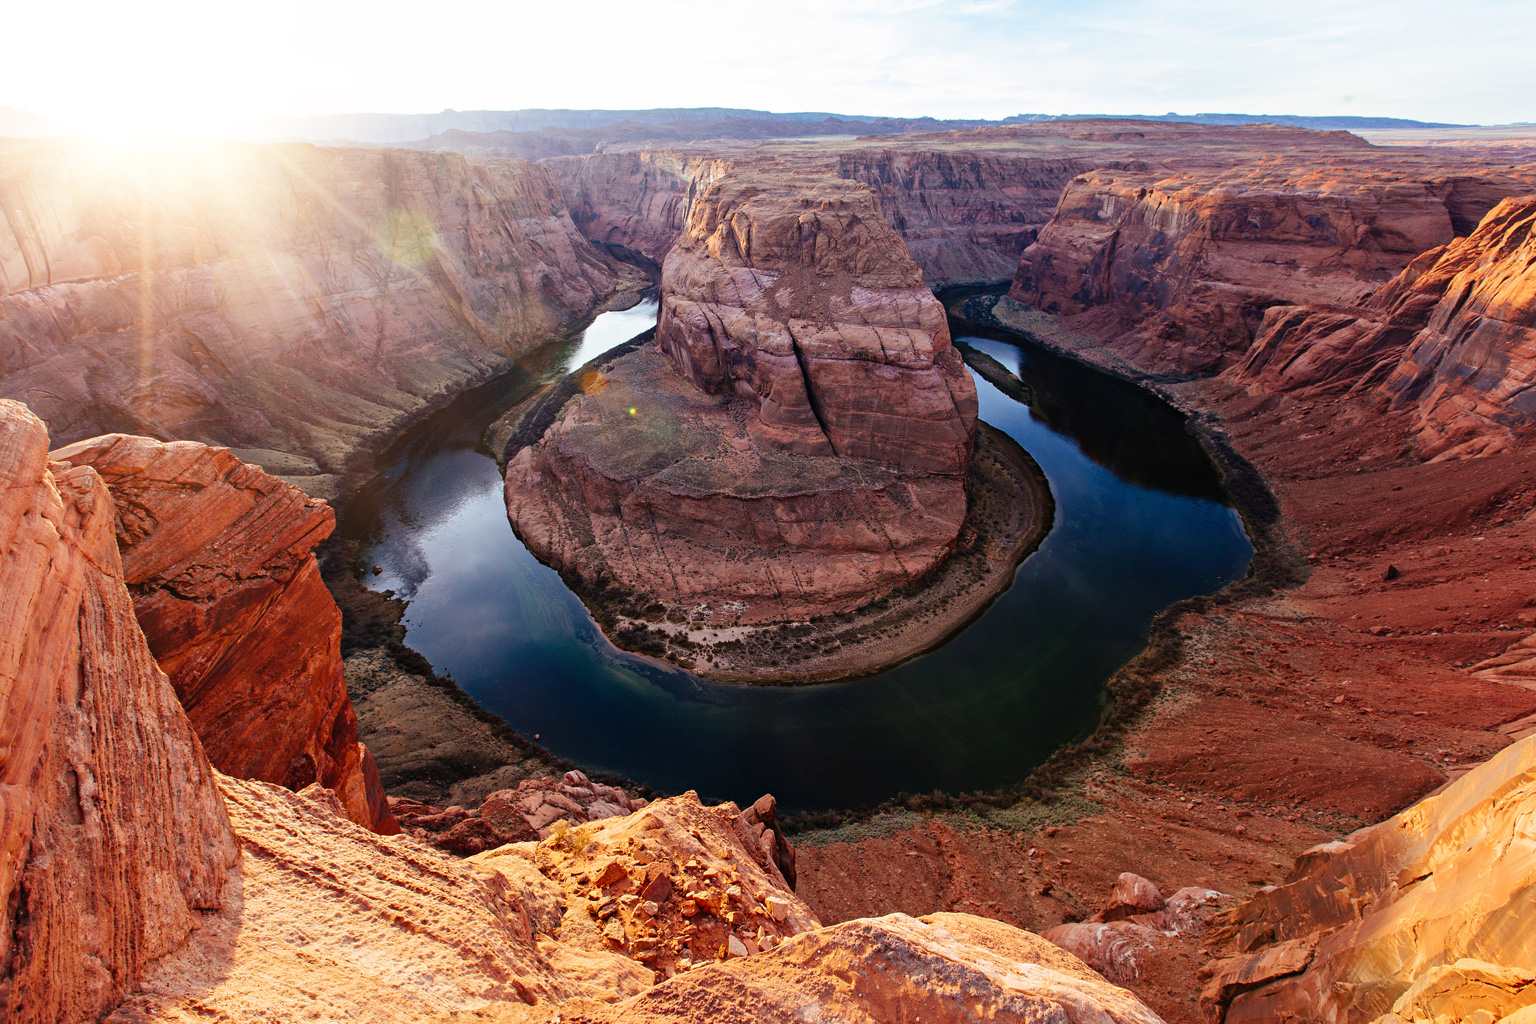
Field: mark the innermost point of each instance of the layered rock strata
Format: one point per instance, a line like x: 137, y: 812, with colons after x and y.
x: 795, y: 444
x: 1452, y: 338
x: 290, y: 301
x: 1364, y: 925
x: 965, y: 216
x: 218, y: 557
x: 114, y: 840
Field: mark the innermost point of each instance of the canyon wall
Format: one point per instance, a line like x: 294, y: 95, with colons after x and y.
x: 796, y: 443
x: 635, y: 200
x: 113, y: 838
x: 965, y: 216
x: 217, y: 555
x: 291, y: 301
x: 1452, y: 338
x: 1424, y: 916
x: 1177, y: 262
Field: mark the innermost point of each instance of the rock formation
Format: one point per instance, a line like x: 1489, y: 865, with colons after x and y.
x: 1178, y: 256
x: 217, y: 555
x: 1134, y: 922
x: 113, y: 838
x: 796, y: 443
x: 635, y: 201
x: 1364, y: 926
x: 293, y: 301
x: 673, y: 885
x: 1452, y: 337
x: 940, y: 969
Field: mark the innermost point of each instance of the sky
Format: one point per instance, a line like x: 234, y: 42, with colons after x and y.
x: 175, y: 65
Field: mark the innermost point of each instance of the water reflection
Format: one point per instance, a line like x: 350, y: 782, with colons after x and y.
x: 979, y: 712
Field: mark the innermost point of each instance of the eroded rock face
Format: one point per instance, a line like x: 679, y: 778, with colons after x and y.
x: 218, y: 557
x: 803, y: 301
x: 1453, y: 337
x: 294, y: 300
x: 1180, y: 260
x: 637, y: 200
x: 1195, y: 262
x: 1362, y: 923
x: 113, y: 837
x: 965, y: 216
x: 796, y: 443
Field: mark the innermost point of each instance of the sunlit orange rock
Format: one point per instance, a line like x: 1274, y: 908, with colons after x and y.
x: 217, y: 555
x: 114, y: 840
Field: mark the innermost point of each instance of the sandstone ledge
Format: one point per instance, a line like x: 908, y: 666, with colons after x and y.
x: 1009, y: 510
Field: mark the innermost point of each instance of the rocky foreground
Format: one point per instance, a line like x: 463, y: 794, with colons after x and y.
x: 141, y: 883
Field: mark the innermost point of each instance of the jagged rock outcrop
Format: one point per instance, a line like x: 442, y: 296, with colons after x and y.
x: 527, y: 813
x: 218, y: 558
x: 290, y: 300
x: 114, y: 840
x: 1360, y: 924
x: 1453, y: 337
x: 795, y: 444
x: 674, y: 885
x: 940, y: 969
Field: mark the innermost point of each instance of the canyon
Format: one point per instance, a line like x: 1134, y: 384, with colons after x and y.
x: 795, y: 445
x: 1346, y: 326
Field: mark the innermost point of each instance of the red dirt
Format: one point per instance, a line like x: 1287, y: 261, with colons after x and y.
x: 1308, y: 713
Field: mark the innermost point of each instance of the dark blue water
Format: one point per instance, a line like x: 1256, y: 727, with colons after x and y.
x: 1138, y: 526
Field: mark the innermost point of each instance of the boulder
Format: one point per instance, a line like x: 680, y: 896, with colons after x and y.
x: 1131, y: 895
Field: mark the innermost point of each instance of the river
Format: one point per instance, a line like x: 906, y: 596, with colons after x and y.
x: 1140, y: 524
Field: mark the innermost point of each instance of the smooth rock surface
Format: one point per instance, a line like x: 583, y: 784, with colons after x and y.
x: 1447, y: 879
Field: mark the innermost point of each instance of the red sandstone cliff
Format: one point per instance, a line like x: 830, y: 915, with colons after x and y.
x: 217, y: 555
x: 1453, y: 338
x: 113, y: 837
x: 635, y: 200
x: 965, y: 216
x: 285, y: 298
